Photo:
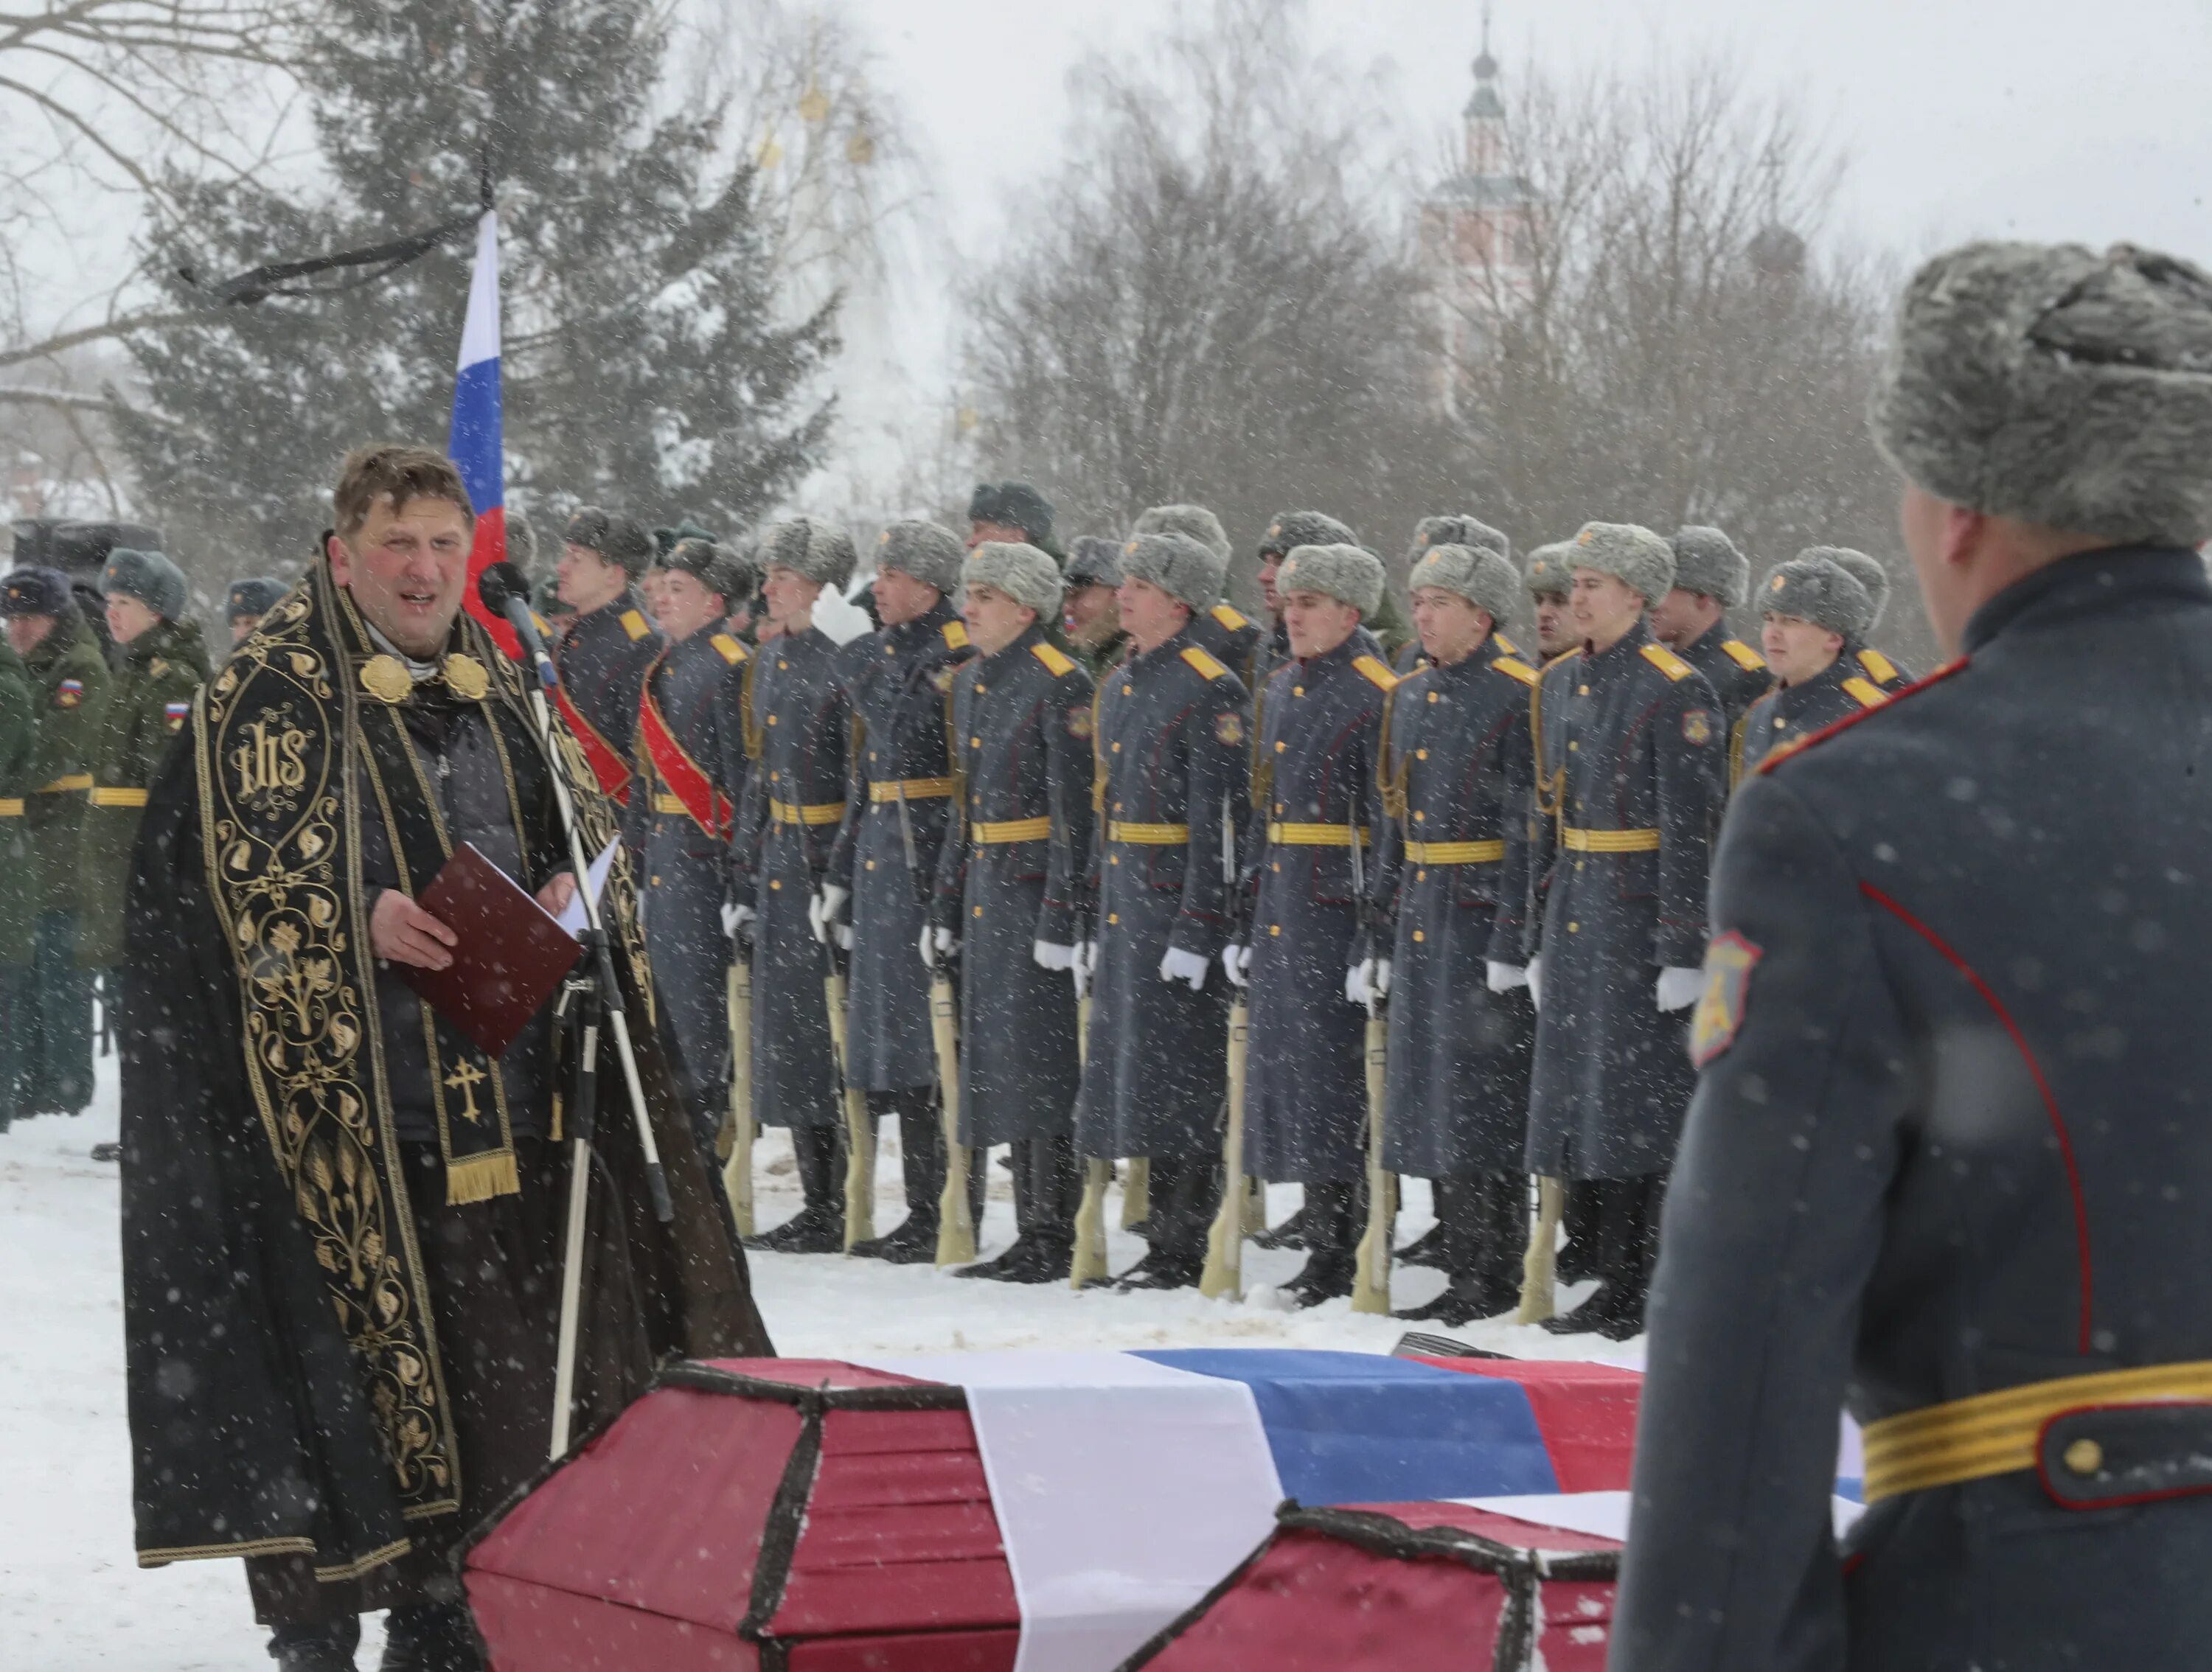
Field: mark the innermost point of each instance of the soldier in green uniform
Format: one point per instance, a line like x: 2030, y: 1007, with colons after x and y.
x: 49, y: 1000
x: 248, y: 601
x: 19, y: 732
x: 1088, y: 612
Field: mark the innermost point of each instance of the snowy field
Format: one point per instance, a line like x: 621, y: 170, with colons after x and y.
x: 71, y: 1596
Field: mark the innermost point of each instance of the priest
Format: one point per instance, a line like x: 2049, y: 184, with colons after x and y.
x: 342, y: 1221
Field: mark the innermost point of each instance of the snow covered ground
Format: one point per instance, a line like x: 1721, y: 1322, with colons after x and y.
x: 71, y: 1598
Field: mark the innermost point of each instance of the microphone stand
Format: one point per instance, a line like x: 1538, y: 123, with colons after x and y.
x: 599, y: 1001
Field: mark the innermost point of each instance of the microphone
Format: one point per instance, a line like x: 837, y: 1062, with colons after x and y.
x: 505, y: 592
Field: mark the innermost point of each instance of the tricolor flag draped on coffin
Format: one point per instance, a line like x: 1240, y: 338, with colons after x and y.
x: 475, y: 443
x: 994, y: 1512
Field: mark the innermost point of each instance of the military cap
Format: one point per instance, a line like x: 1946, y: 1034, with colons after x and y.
x: 252, y: 598
x: 1866, y: 571
x: 819, y: 551
x: 1024, y: 573
x: 1819, y: 590
x: 1550, y: 574
x: 2057, y: 386
x: 665, y: 540
x: 1015, y: 504
x: 1630, y: 552
x: 35, y: 592
x: 148, y: 576
x: 1196, y: 521
x: 928, y: 552
x: 1458, y: 531
x: 1177, y: 565
x: 1288, y: 530
x: 616, y: 538
x: 1095, y: 561
x: 1706, y: 560
x: 718, y: 568
x: 521, y: 541
x: 1484, y: 578
x: 1347, y: 573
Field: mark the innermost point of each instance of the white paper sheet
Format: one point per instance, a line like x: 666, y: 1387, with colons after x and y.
x: 572, y: 915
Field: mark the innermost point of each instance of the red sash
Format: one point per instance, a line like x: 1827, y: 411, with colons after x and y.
x: 608, y: 767
x: 709, y: 808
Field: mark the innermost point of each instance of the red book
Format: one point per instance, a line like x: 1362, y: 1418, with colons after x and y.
x: 508, y: 954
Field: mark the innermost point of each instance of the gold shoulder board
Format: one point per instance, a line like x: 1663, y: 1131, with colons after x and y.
x: 1743, y: 655
x: 733, y: 651
x: 1204, y: 664
x: 1667, y: 661
x: 1230, y: 617
x: 1377, y: 675
x: 1505, y: 645
x: 1051, y: 656
x: 955, y: 634
x: 1520, y: 670
x: 1883, y: 670
x: 1869, y: 695
x: 634, y: 624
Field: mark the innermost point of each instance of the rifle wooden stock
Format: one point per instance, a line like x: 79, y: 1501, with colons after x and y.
x: 1370, y: 1283
x: 1137, y: 1192
x: 737, y: 1160
x: 1089, y: 1263
x: 955, y: 1221
x: 859, y: 1128
x: 1540, y: 1266
x: 1224, y: 1243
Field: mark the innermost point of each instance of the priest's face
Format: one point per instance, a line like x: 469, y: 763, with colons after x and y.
x: 407, y: 567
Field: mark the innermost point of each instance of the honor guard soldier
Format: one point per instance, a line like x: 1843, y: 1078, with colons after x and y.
x: 1010, y: 513
x: 1448, y: 880
x: 1090, y: 614
x: 902, y: 800
x: 1475, y: 535
x: 1007, y: 883
x: 690, y: 773
x: 248, y: 601
x: 1946, y: 1164
x: 795, y: 793
x: 1551, y: 578
x: 1286, y: 530
x: 1170, y: 791
x: 1316, y: 789
x: 1712, y: 577
x: 1224, y: 632
x: 604, y: 654
x: 1628, y: 737
x: 49, y: 1007
x: 1814, y: 614
x: 1887, y: 673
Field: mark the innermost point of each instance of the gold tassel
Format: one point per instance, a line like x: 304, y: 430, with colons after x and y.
x: 557, y: 1118
x: 480, y: 1177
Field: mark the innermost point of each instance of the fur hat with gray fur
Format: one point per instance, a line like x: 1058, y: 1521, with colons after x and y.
x: 1346, y: 573
x: 1289, y: 530
x: 617, y: 539
x: 1094, y: 559
x: 715, y: 566
x: 1025, y: 574
x: 1178, y: 566
x: 1484, y: 578
x: 1630, y: 552
x: 1706, y: 560
x: 150, y: 577
x: 1196, y: 521
x: 1818, y: 589
x: 1458, y: 531
x: 819, y: 551
x: 2047, y: 383
x: 928, y: 552
x: 1866, y: 571
x: 1550, y: 574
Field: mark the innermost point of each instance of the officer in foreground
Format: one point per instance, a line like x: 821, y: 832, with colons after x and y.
x: 1814, y: 615
x: 1947, y: 1164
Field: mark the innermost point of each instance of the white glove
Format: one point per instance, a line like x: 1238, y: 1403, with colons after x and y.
x: 1378, y: 978
x: 1355, y: 982
x: 1534, y: 975
x: 1181, y: 966
x: 734, y: 918
x: 1680, y: 988
x: 1084, y: 967
x: 1050, y: 955
x: 822, y: 911
x: 1503, y: 977
x: 935, y: 944
x: 1368, y: 981
x: 1236, y: 964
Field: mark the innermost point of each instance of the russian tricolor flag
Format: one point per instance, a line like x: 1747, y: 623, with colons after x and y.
x: 475, y: 444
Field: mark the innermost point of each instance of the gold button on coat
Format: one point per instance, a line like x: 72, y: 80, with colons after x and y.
x: 2085, y: 1456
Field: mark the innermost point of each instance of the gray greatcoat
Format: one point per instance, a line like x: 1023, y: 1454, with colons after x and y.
x: 896, y: 681
x: 1458, y: 773
x: 794, y: 800
x: 603, y: 658
x: 1789, y: 714
x: 1736, y: 671
x: 1022, y: 720
x: 1629, y: 742
x: 1171, y: 740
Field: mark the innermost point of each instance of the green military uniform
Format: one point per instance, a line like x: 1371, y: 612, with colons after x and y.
x: 148, y: 705
x: 18, y: 905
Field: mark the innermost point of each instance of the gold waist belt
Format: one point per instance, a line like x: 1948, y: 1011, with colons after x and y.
x: 663, y: 803
x: 1455, y: 853
x: 11, y: 806
x: 1012, y: 829
x: 64, y: 786
x: 1609, y: 842
x: 107, y: 795
x: 917, y: 789
x: 812, y: 813
x: 1148, y: 836
x: 1997, y: 1433
x: 1317, y: 835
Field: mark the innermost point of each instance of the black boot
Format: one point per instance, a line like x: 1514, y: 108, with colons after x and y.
x: 327, y: 1647
x: 1628, y: 1212
x: 1580, y: 1260
x: 1485, y: 1219
x: 431, y: 1637
x: 819, y: 1226
x: 1292, y: 1233
x: 1332, y: 1245
x: 1429, y: 1248
x: 1183, y: 1195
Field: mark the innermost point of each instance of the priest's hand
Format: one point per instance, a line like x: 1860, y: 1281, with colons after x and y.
x: 403, y: 933
x: 557, y: 892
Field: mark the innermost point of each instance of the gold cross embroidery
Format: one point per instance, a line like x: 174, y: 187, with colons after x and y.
x: 465, y: 1079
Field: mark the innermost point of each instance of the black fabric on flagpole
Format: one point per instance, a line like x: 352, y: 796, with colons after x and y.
x: 271, y: 278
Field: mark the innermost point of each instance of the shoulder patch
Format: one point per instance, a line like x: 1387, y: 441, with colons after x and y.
x: 634, y: 624
x: 733, y: 651
x: 1667, y: 661
x: 69, y: 694
x: 1053, y: 658
x: 1775, y: 757
x: 1377, y: 675
x: 1517, y: 669
x: 1879, y: 667
x: 1204, y: 664
x: 1230, y: 617
x: 1869, y: 695
x: 1744, y: 656
x: 1729, y: 960
x: 1079, y: 722
x: 1228, y: 727
x: 955, y: 634
x: 1505, y: 645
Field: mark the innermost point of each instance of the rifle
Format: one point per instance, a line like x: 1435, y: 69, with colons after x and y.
x: 1224, y: 1241
x: 1088, y: 1265
x: 1370, y: 1283
x: 737, y: 1157
x: 955, y: 1222
x: 1540, y: 1264
x: 859, y: 1125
